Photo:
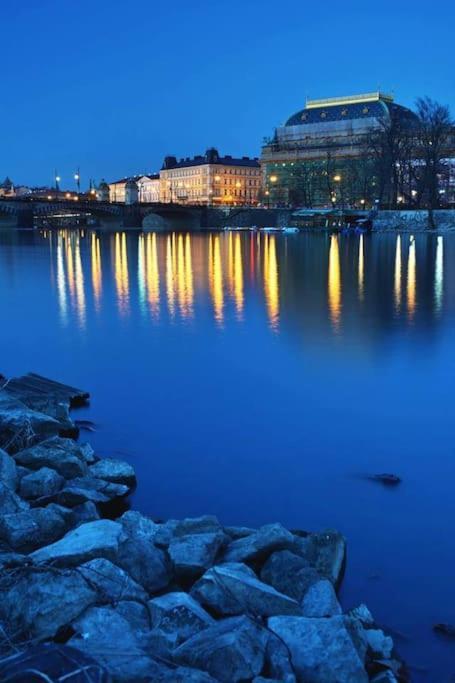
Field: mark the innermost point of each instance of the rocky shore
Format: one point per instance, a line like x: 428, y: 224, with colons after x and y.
x: 93, y: 594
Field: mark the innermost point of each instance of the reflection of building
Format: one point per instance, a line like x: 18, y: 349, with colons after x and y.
x: 210, y: 179
x: 148, y: 188
x: 321, y: 154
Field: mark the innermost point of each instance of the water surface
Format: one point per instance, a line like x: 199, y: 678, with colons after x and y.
x: 261, y: 378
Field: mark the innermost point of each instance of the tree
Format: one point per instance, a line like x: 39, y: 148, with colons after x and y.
x: 435, y: 128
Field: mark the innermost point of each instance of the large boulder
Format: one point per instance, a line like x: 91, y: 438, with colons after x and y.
x: 21, y: 427
x: 320, y: 600
x: 289, y: 574
x: 233, y: 588
x: 322, y: 650
x: 90, y: 540
x: 52, y: 662
x: 104, y: 634
x: 43, y: 482
x: 61, y: 455
x: 184, y: 674
x: 136, y: 614
x: 232, y: 650
x: 41, y: 601
x: 259, y: 545
x: 8, y: 471
x: 88, y: 489
x: 191, y: 555
x: 178, y: 614
x: 380, y: 644
x: 10, y: 501
x: 85, y: 512
x: 173, y: 528
x: 115, y: 471
x: 27, y: 530
x: 325, y: 551
x: 147, y: 564
x: 111, y: 582
x: 138, y: 525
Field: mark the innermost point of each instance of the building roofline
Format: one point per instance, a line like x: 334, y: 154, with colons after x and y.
x: 349, y: 99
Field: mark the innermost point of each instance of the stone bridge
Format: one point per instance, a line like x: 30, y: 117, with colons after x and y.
x: 22, y: 213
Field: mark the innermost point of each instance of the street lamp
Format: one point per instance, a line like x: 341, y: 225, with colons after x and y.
x: 77, y: 178
x: 57, y: 182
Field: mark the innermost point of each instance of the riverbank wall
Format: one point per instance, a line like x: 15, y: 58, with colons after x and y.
x: 413, y: 221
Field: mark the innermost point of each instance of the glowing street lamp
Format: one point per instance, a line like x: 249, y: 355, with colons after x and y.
x: 273, y: 178
x: 337, y: 178
x: 77, y: 178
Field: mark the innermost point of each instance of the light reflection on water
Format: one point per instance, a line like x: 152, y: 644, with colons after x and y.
x: 177, y: 270
x: 220, y: 359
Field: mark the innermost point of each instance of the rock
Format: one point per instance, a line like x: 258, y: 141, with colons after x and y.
x: 363, y: 614
x: 41, y: 601
x: 184, y: 674
x: 191, y: 555
x: 88, y: 489
x: 30, y: 529
x: 179, y: 614
x: 238, y: 531
x: 61, y: 455
x: 90, y: 540
x: 380, y: 644
x: 115, y: 471
x: 445, y: 629
x: 87, y: 453
x: 384, y: 677
x: 137, y: 525
x: 325, y: 552
x: 278, y: 661
x: 173, y: 528
x: 12, y: 560
x: 228, y: 589
x: 146, y: 563
x: 322, y: 650
x: 320, y: 600
x: 20, y: 426
x: 10, y: 502
x: 136, y: 614
x: 289, y: 574
x: 231, y: 651
x: 111, y: 582
x: 158, y: 644
x: 43, y: 482
x: 106, y: 636
x: 52, y: 662
x: 8, y: 471
x: 259, y: 545
x: 85, y: 512
x: 386, y: 478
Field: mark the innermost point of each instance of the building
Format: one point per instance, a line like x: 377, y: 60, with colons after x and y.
x: 148, y: 188
x: 321, y: 155
x: 7, y: 188
x: 211, y: 179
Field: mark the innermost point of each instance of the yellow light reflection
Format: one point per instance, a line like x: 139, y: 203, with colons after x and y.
x: 439, y: 274
x: 361, y: 270
x: 271, y: 283
x: 411, y: 283
x: 96, y: 270
x: 216, y: 278
x: 153, y: 275
x: 61, y: 284
x: 238, y: 276
x: 141, y: 272
x: 79, y: 283
x: 189, y: 275
x: 397, y: 276
x: 334, y: 283
x: 121, y: 273
x: 170, y: 270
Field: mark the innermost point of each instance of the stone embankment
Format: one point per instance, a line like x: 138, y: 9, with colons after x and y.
x: 131, y: 599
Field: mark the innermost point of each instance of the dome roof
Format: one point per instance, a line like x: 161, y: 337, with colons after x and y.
x: 345, y: 109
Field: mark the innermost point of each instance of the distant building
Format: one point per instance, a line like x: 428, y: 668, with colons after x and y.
x: 320, y: 155
x: 210, y: 179
x: 148, y: 188
x: 7, y: 188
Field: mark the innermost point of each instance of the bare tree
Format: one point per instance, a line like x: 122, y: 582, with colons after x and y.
x: 435, y: 129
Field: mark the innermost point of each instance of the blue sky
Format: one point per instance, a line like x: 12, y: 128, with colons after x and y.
x: 114, y: 86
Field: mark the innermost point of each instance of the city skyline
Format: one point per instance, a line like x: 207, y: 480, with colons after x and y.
x: 114, y: 102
